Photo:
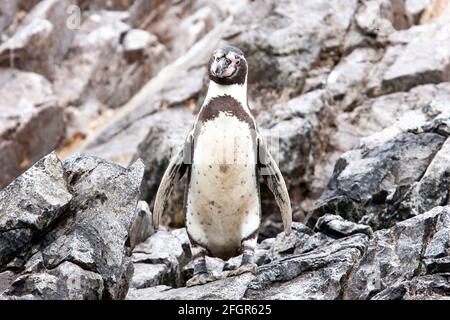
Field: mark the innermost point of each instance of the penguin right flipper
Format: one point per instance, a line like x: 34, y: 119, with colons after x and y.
x: 275, y: 182
x: 177, y: 167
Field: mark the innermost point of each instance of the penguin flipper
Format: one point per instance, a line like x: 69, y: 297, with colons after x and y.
x: 268, y: 168
x: 174, y: 172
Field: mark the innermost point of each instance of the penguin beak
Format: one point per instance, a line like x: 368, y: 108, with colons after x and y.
x: 219, y: 67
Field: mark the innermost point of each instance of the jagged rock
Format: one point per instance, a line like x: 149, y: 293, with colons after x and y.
x: 336, y: 227
x: 114, y: 66
x: 149, y: 275
x: 8, y: 10
x: 66, y: 282
x: 42, y: 40
x: 168, y: 129
x: 142, y: 226
x: 31, y: 123
x: 121, y: 142
x: 421, y: 55
x: 346, y: 81
x: 319, y: 274
x: 396, y: 254
x: 30, y: 204
x: 231, y: 288
x: 296, y: 132
x: 165, y: 248
x: 411, y: 108
x: 371, y: 182
x: 434, y: 287
x: 284, y: 42
x: 285, y: 245
x: 83, y: 254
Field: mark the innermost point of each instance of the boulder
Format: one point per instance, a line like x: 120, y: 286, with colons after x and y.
x: 30, y: 205
x: 421, y: 55
x: 142, y: 227
x: 42, y: 39
x: 372, y: 184
x: 283, y: 40
x: 31, y: 122
x: 397, y: 254
x: 336, y: 227
x: 163, y: 249
x: 79, y: 228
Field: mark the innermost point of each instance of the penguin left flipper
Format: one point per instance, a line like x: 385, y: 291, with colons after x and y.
x: 275, y: 182
x: 177, y: 167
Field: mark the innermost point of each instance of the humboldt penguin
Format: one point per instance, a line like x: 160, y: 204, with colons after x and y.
x: 223, y: 156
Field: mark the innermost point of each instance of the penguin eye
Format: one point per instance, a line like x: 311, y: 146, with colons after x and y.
x: 238, y: 62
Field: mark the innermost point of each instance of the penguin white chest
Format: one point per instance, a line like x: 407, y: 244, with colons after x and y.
x: 223, y: 205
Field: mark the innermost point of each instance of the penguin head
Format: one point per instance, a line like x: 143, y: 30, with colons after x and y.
x: 228, y: 66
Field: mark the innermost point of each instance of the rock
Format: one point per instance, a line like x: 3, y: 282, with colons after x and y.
x: 371, y: 182
x: 346, y: 81
x: 285, y: 245
x: 30, y: 204
x: 83, y: 254
x: 232, y: 288
x: 336, y: 227
x: 142, y: 226
x: 422, y: 57
x: 296, y: 133
x: 422, y: 103
x: 42, y: 40
x: 148, y: 275
x: 419, y: 288
x: 415, y: 8
x: 31, y: 122
x: 105, y: 63
x: 6, y: 279
x: 319, y: 274
x: 396, y: 254
x: 166, y: 132
x: 163, y: 248
x: 134, y: 43
x: 7, y: 13
x: 283, y: 40
x: 66, y: 282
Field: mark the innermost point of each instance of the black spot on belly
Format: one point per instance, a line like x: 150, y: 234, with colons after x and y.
x: 223, y: 168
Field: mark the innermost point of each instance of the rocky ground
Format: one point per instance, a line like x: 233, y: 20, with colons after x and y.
x: 357, y: 91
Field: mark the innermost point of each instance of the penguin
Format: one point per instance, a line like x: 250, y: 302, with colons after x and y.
x: 223, y: 156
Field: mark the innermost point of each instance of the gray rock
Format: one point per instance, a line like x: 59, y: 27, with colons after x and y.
x: 148, y: 275
x: 66, y: 282
x: 232, y: 288
x: 164, y: 247
x: 435, y: 287
x: 8, y: 10
x: 283, y: 40
x: 396, y: 254
x: 418, y: 104
x: 83, y: 255
x: 336, y: 227
x: 346, y: 81
x: 42, y: 40
x: 371, y: 182
x: 422, y: 58
x: 285, y: 245
x: 142, y: 226
x: 31, y: 122
x: 30, y: 204
x: 319, y: 274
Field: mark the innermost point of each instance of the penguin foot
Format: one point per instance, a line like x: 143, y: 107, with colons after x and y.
x: 200, y: 279
x: 249, y: 267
